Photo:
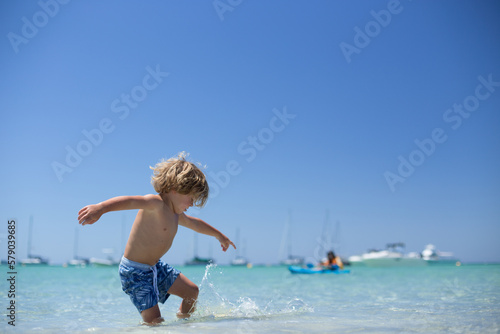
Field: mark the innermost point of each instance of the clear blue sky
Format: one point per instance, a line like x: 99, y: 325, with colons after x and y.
x: 311, y: 106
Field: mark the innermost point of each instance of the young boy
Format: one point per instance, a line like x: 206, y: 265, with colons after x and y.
x: 180, y: 184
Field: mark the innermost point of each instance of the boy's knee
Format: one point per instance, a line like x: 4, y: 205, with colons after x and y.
x: 192, y: 292
x: 195, y: 291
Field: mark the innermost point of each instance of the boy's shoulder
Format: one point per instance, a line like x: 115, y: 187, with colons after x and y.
x: 154, y: 200
x: 153, y: 197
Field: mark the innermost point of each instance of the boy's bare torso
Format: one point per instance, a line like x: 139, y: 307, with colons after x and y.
x: 152, y: 233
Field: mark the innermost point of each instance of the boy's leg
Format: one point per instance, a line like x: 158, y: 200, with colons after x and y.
x: 188, y: 291
x: 152, y: 315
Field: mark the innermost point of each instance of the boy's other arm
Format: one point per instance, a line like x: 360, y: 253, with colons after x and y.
x: 91, y: 213
x: 200, y: 226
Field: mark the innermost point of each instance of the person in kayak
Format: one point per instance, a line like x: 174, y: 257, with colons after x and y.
x: 332, y: 262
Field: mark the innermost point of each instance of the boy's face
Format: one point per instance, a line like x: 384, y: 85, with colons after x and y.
x: 181, y: 202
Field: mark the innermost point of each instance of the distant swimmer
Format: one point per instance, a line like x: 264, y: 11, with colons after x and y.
x: 147, y: 280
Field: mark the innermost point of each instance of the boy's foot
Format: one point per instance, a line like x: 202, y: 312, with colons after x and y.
x: 181, y: 315
x: 154, y: 322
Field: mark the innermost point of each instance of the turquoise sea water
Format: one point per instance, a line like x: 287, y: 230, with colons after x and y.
x: 444, y: 299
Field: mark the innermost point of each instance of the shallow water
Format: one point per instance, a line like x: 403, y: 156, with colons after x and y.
x: 437, y: 299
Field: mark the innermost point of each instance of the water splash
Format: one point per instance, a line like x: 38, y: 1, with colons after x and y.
x: 213, y: 305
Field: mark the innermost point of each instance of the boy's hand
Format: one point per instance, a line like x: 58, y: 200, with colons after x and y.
x: 89, y: 214
x: 225, y: 242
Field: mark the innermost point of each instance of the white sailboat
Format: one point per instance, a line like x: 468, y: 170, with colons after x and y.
x: 286, y: 243
x: 76, y: 260
x: 196, y: 260
x: 239, y: 260
x: 110, y: 259
x: 33, y: 259
x: 329, y: 240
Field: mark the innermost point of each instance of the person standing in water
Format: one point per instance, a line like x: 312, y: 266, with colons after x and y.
x: 147, y: 280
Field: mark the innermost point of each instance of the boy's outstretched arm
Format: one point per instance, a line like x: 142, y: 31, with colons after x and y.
x: 91, y: 213
x: 200, y: 226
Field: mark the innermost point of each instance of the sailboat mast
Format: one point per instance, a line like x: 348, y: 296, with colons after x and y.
x: 75, y: 244
x: 325, y: 235
x: 237, y: 241
x: 337, y: 237
x: 289, y: 236
x: 29, y: 236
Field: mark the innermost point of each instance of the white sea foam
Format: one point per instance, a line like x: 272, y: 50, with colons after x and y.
x: 213, y: 303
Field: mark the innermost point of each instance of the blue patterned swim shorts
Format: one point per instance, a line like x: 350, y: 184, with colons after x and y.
x: 146, y: 285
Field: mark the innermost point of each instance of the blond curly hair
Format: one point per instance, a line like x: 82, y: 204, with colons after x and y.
x: 181, y: 176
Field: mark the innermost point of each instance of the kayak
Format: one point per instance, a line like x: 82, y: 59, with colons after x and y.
x: 302, y: 270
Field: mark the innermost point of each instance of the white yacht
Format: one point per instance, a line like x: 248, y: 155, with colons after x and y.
x: 392, y: 256
x: 433, y: 256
